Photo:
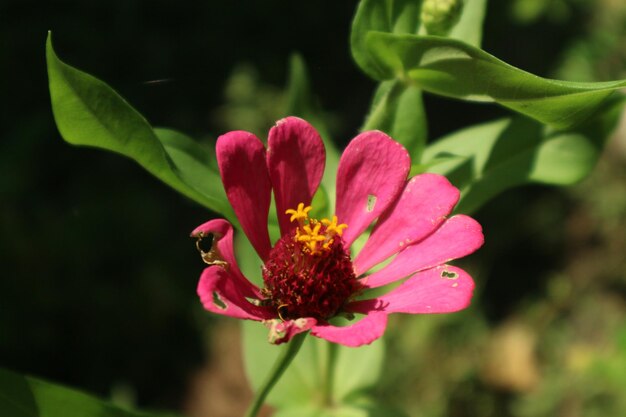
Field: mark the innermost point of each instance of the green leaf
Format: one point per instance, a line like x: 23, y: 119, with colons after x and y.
x: 469, y: 29
x: 392, y: 16
x: 452, y: 68
x: 22, y: 396
x: 88, y: 112
x: 398, y: 110
x: 303, y: 384
x: 300, y: 383
x: 487, y: 159
x: 357, y: 370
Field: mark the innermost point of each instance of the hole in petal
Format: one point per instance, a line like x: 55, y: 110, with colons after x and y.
x: 371, y: 202
x: 219, y: 303
x: 449, y: 274
x: 204, y: 242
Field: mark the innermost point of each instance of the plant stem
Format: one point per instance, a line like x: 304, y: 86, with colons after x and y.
x: 282, y: 363
x: 329, y: 374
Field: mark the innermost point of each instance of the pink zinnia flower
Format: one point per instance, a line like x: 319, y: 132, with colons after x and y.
x: 309, y: 274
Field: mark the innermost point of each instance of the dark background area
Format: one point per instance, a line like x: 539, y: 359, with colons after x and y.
x: 98, y: 273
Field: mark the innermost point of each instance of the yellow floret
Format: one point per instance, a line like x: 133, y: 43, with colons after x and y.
x: 300, y: 214
x: 309, y: 232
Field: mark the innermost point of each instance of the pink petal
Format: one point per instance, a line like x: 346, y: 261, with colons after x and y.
x: 220, y: 293
x: 295, y: 161
x: 421, y: 208
x: 443, y: 289
x: 363, y: 332
x: 371, y: 174
x: 222, y: 247
x: 283, y: 331
x: 458, y: 236
x: 241, y: 159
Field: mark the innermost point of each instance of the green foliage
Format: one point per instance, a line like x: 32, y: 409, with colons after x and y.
x: 22, y: 396
x: 469, y: 29
x: 88, y: 112
x: 301, y: 102
x: 398, y: 110
x: 559, y: 144
x: 318, y: 368
x: 439, y: 16
x: 390, y: 16
x: 487, y: 159
x: 452, y: 68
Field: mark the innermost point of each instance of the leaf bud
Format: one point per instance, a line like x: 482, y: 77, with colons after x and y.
x: 440, y: 16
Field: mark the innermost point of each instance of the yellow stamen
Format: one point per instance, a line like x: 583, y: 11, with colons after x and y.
x: 300, y: 214
x: 309, y: 233
x: 332, y: 227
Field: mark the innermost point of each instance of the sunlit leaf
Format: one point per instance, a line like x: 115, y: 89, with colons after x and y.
x: 357, y: 370
x: 398, y: 110
x: 22, y: 396
x: 487, y: 159
x: 88, y: 112
x: 452, y: 68
x: 301, y: 382
x: 469, y: 29
x: 305, y: 380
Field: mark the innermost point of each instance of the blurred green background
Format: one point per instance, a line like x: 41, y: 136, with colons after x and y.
x: 99, y: 274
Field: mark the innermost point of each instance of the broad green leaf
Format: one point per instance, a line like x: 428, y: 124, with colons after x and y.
x: 22, y: 396
x: 398, y: 110
x: 469, y: 29
x: 355, y: 370
x: 199, y: 152
x: 88, y: 112
x: 195, y: 164
x: 300, y: 384
x: 452, y: 68
x: 392, y: 16
x: 487, y: 159
x: 301, y: 103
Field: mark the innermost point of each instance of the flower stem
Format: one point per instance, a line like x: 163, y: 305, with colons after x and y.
x: 282, y: 363
x: 329, y: 374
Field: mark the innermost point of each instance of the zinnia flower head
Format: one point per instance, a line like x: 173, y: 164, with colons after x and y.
x: 309, y: 273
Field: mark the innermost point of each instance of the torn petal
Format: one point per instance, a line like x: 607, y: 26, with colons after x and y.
x: 222, y: 249
x: 241, y: 159
x: 282, y: 331
x: 220, y: 293
x: 457, y: 237
x: 423, y: 205
x: 370, y: 176
x: 443, y: 289
x: 295, y: 160
x: 363, y: 332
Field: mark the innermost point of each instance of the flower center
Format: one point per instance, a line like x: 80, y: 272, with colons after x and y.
x: 309, y: 273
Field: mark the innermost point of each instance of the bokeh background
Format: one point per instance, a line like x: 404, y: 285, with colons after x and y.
x: 98, y: 274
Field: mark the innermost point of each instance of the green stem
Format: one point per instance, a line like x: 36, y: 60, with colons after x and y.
x: 282, y: 363
x: 329, y: 373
